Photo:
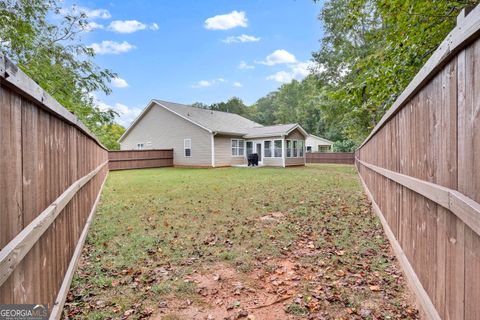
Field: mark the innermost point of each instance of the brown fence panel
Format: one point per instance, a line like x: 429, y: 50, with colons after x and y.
x: 331, y: 157
x: 138, y: 159
x: 52, y: 170
x: 421, y: 168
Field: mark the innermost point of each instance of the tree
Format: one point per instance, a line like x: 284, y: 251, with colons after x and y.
x: 371, y: 50
x: 233, y: 105
x: 111, y: 133
x: 263, y: 111
x: 53, y: 56
x: 344, y: 146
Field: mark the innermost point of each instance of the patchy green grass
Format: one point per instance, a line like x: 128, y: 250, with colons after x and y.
x: 156, y: 227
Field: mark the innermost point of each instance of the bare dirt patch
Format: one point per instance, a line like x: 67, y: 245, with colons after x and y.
x: 275, y: 289
x: 229, y: 294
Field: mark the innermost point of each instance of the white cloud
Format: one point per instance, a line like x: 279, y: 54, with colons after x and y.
x: 92, y: 26
x: 281, y: 76
x: 227, y: 21
x: 126, y: 26
x: 208, y: 83
x: 241, y: 38
x: 301, y: 69
x: 244, y: 65
x: 297, y: 71
x: 130, y: 26
x: 126, y: 114
x: 119, y: 83
x: 96, y: 13
x: 202, y: 84
x: 111, y: 47
x: 237, y: 84
x: 89, y: 13
x: 280, y: 56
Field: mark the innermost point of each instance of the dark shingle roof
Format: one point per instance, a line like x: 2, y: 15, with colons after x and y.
x: 216, y: 121
x: 269, y: 131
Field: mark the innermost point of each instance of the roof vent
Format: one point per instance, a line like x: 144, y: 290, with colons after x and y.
x: 188, y: 114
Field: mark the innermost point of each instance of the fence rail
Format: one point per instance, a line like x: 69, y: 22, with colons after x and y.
x: 331, y: 157
x: 138, y: 159
x: 419, y: 167
x: 52, y: 171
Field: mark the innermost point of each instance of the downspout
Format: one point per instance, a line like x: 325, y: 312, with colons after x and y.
x: 213, y: 149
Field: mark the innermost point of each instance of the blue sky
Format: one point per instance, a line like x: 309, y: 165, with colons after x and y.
x: 199, y: 51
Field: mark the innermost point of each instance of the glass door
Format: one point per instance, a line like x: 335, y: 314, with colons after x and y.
x: 249, y: 148
x: 258, y: 150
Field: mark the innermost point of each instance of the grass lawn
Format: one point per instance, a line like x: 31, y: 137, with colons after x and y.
x: 264, y: 243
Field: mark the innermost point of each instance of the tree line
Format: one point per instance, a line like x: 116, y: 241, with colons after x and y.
x: 49, y: 50
x: 370, y: 51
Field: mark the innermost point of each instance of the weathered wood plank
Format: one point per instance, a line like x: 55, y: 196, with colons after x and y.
x: 415, y: 283
x: 463, y: 207
x: 56, y: 312
x: 472, y: 274
x: 16, y: 249
x: 11, y: 197
x: 18, y: 81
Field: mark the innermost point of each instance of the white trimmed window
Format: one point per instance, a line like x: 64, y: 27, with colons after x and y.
x: 238, y: 147
x: 249, y: 147
x: 187, y: 147
x: 277, y: 148
x: 289, y: 148
x: 140, y: 145
x: 295, y: 148
x: 300, y: 148
x: 267, y: 149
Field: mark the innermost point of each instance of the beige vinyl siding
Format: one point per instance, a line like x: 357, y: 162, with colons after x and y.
x: 277, y: 162
x: 164, y: 130
x: 294, y: 135
x: 317, y: 144
x: 223, y: 152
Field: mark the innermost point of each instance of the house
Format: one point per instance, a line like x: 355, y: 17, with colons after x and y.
x: 207, y: 138
x: 317, y: 144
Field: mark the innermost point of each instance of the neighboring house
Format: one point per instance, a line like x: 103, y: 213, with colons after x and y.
x: 317, y: 144
x: 207, y: 138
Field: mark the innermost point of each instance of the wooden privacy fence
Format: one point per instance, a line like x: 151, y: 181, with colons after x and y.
x: 331, y: 157
x: 137, y: 159
x: 52, y: 171
x: 421, y: 168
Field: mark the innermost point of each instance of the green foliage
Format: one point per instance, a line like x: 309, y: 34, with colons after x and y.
x: 49, y: 50
x: 296, y: 102
x: 372, y: 49
x: 111, y: 133
x: 344, y: 146
x: 233, y: 105
x: 302, y: 102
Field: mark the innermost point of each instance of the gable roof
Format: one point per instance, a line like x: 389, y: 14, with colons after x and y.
x: 272, y: 131
x: 217, y: 121
x: 321, y: 139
